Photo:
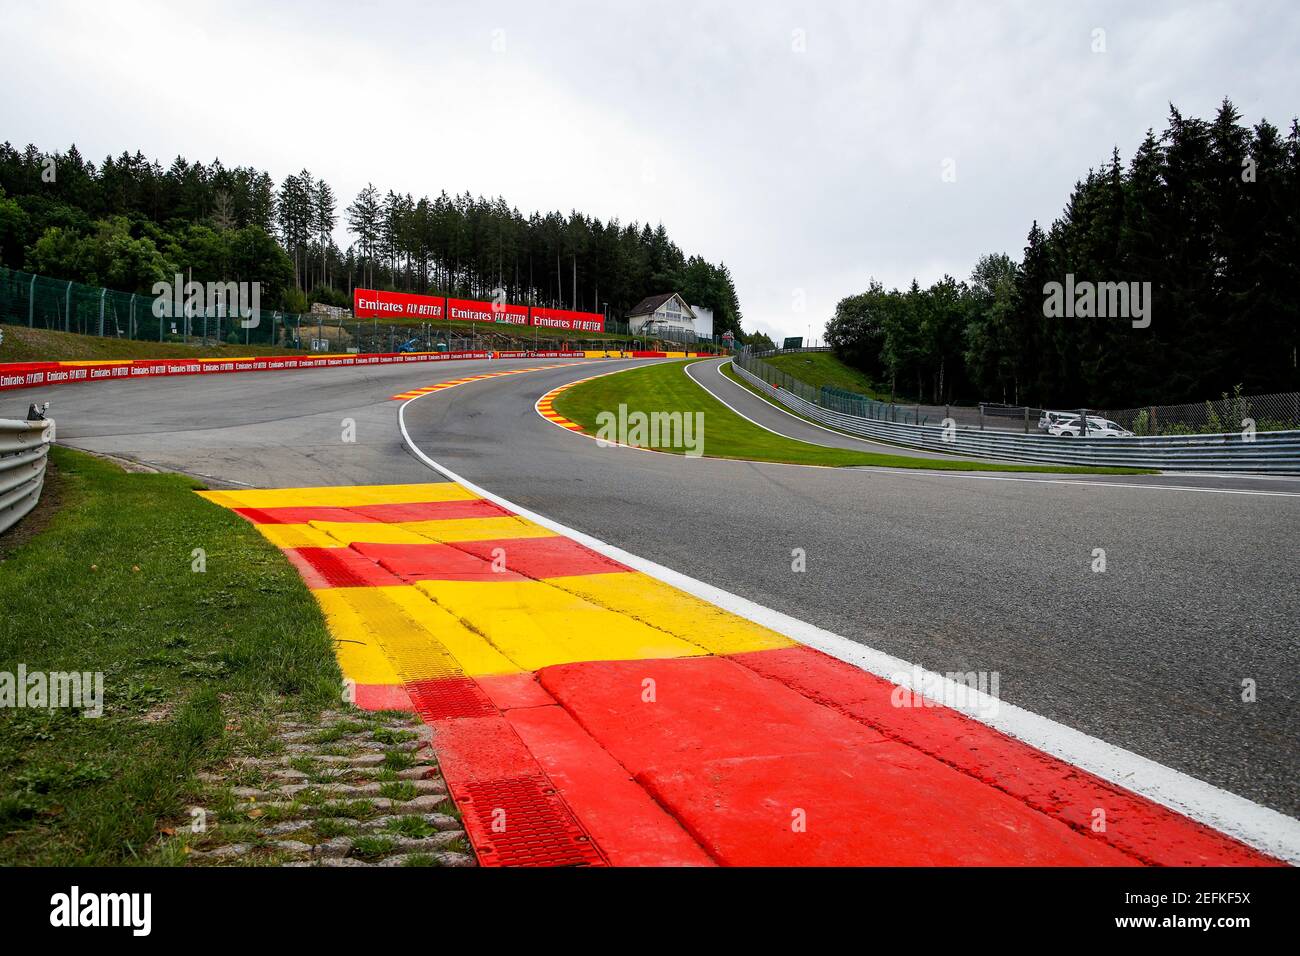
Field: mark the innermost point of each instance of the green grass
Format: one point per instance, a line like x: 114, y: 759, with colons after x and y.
x: 398, y: 790
x: 415, y: 827
x: 665, y: 387
x: 331, y: 827
x: 823, y: 368
x: 189, y: 660
x: 372, y: 847
x: 42, y: 345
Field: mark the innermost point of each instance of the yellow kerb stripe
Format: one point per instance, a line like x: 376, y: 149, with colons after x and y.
x: 537, y: 625
x: 341, y: 497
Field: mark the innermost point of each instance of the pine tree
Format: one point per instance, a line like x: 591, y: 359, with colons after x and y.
x: 363, y: 222
x: 325, y: 219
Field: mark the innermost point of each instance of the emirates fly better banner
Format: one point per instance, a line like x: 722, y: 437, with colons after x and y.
x: 465, y: 310
x: 369, y: 303
x: 568, y: 321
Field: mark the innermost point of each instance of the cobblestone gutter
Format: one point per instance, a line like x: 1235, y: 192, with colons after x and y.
x: 350, y: 788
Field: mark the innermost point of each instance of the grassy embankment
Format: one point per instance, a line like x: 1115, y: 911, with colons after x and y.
x: 102, y: 578
x: 823, y: 368
x: 42, y: 345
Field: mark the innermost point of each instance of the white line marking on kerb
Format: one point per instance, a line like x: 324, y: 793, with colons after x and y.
x: 1258, y: 826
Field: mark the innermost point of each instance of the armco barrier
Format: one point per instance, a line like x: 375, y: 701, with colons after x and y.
x: 1267, y: 452
x: 24, y: 448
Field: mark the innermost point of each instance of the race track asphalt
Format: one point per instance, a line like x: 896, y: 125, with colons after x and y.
x: 953, y: 572
x: 262, y: 429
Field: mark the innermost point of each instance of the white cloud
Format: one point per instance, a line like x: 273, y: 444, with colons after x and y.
x: 811, y: 170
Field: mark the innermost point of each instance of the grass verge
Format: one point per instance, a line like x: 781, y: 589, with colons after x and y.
x: 190, y: 659
x: 42, y: 345
x: 823, y: 368
x: 664, y: 387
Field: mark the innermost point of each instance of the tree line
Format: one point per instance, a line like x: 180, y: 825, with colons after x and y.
x: 128, y: 222
x: 1207, y: 213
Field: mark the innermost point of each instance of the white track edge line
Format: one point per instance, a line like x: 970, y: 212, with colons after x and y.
x: 1258, y: 826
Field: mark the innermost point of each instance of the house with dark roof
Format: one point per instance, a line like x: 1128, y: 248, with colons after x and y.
x: 661, y: 315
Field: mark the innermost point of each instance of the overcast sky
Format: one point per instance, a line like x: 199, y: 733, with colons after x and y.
x: 802, y: 144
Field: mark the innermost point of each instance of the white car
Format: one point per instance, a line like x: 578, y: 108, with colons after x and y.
x: 1047, y: 419
x: 1097, y: 428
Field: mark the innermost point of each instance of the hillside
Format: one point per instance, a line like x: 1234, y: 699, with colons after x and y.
x: 823, y: 368
x: 22, y: 344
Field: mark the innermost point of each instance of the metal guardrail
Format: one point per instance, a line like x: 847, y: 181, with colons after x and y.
x: 1268, y: 452
x: 803, y: 348
x: 24, y: 449
x: 1274, y: 412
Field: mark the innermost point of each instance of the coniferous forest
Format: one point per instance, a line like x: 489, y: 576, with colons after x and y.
x: 128, y: 222
x: 1207, y: 212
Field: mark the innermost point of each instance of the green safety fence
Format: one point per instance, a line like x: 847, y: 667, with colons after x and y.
x: 59, y: 305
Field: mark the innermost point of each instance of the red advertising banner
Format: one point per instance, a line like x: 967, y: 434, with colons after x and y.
x: 35, y: 374
x: 25, y: 374
x: 466, y: 310
x: 370, y: 304
x: 568, y: 321
x: 513, y: 355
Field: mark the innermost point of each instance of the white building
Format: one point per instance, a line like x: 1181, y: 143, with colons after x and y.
x: 662, y: 315
x: 703, y: 322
